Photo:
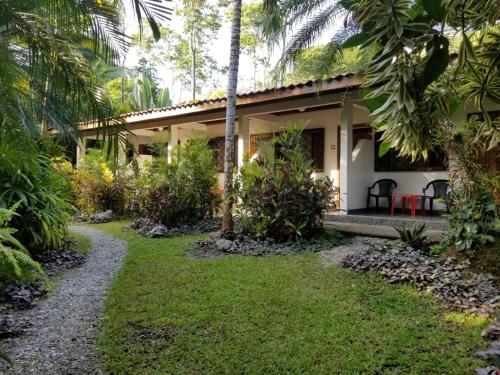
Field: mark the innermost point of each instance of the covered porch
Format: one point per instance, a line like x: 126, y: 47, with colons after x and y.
x: 337, y: 134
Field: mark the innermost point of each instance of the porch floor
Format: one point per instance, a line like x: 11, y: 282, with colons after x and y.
x: 381, y: 223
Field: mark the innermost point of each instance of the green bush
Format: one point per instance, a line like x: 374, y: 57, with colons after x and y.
x: 97, y: 187
x: 29, y: 176
x: 473, y: 220
x: 15, y: 262
x: 277, y: 195
x: 413, y: 236
x: 184, y: 190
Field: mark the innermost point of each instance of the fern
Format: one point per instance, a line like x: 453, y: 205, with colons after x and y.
x: 15, y: 262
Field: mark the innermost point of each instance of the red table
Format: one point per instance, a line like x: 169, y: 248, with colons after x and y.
x: 412, y: 198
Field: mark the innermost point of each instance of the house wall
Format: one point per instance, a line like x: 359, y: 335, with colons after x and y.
x: 360, y: 176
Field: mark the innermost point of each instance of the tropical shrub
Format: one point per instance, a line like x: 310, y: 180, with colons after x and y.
x: 473, y: 220
x: 277, y: 195
x: 183, y: 190
x: 413, y: 235
x: 15, y: 262
x: 28, y: 176
x: 97, y: 187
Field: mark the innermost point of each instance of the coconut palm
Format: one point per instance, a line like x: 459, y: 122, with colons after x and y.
x: 232, y: 85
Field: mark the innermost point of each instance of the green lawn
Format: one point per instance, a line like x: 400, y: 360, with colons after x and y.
x: 82, y: 242
x: 169, y: 314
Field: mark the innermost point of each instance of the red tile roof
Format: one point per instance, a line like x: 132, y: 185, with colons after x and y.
x: 319, y: 84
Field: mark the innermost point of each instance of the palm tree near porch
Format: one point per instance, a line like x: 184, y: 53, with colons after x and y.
x: 232, y: 86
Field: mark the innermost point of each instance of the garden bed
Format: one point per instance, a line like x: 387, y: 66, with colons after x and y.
x: 151, y: 229
x: 449, y: 280
x: 242, y: 244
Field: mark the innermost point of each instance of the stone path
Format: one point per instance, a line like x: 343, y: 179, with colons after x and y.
x: 61, y: 339
x: 354, y: 245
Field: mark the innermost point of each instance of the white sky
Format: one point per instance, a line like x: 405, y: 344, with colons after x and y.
x: 219, y: 50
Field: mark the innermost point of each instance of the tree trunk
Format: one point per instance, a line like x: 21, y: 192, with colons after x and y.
x: 460, y: 175
x: 44, y: 126
x: 193, y: 66
x: 232, y: 85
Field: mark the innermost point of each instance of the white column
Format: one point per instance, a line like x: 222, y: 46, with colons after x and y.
x: 174, y: 139
x: 345, y: 154
x: 80, y: 150
x: 243, y: 138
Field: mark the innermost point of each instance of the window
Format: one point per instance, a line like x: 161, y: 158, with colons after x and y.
x: 148, y: 149
x: 94, y: 144
x: 391, y: 162
x: 313, y: 145
x: 218, y: 145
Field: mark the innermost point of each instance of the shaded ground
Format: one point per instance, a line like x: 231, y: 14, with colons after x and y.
x: 61, y: 338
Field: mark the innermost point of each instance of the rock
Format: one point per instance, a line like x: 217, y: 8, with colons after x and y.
x: 492, y: 332
x: 158, y: 231
x: 149, y: 228
x: 486, y: 371
x: 223, y: 244
x: 21, y: 296
x: 10, y: 326
x: 101, y: 217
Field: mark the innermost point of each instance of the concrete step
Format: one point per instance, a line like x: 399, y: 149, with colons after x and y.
x: 384, y: 231
x: 431, y: 223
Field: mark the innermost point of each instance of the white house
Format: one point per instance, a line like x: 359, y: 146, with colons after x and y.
x: 338, y: 135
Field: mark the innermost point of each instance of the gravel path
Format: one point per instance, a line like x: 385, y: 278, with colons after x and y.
x: 354, y: 245
x: 64, y: 326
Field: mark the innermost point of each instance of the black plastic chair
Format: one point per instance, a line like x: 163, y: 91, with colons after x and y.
x: 440, y: 189
x: 385, y: 189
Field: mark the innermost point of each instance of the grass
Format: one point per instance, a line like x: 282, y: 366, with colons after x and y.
x: 170, y: 314
x: 82, y: 242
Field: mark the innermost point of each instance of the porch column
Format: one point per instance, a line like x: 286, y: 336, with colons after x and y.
x: 174, y: 139
x: 345, y: 154
x: 243, y: 138
x: 80, y: 150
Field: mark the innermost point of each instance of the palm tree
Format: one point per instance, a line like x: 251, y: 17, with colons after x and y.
x: 143, y: 95
x: 232, y: 86
x: 45, y: 49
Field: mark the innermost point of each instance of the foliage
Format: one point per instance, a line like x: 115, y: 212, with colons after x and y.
x: 119, y: 91
x: 96, y: 187
x: 278, y: 197
x: 246, y: 315
x: 187, y: 54
x: 453, y: 282
x: 252, y: 41
x: 413, y: 235
x: 311, y: 63
x: 45, y: 51
x: 143, y: 97
x: 414, y: 83
x: 29, y: 176
x: 184, y: 190
x: 15, y: 262
x: 473, y: 220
